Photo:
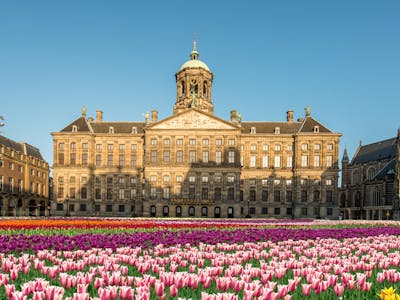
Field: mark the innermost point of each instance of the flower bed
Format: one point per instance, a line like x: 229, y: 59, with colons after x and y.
x: 199, y: 260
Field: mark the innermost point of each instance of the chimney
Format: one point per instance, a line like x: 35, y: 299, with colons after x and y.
x: 99, y: 116
x: 289, y: 116
x: 233, y: 116
x: 154, y: 116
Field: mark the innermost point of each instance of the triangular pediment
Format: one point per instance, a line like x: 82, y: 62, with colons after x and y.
x: 193, y: 119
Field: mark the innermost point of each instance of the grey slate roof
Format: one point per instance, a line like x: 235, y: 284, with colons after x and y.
x: 30, y: 150
x: 309, y: 123
x: 119, y: 127
x: 388, y: 169
x: 80, y: 123
x: 376, y: 151
x: 269, y: 127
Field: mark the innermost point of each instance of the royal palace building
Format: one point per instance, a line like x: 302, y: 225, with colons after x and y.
x: 24, y: 180
x: 370, y: 181
x: 195, y: 164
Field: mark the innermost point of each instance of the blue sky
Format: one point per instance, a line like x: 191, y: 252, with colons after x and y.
x: 341, y: 58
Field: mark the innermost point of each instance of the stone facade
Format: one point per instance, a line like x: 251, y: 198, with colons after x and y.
x: 24, y: 180
x: 194, y: 164
x: 370, y: 183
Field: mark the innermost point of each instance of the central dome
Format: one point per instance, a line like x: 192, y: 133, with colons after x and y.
x: 194, y: 61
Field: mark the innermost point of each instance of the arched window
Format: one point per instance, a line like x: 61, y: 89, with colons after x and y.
x: 178, y: 211
x: 153, y: 211
x: 191, y: 211
x: 205, y: 89
x: 356, y: 177
x: 110, y: 130
x: 357, y: 199
x: 165, y: 211
x: 134, y: 130
x: 217, y: 212
x: 253, y: 130
x: 183, y: 88
x: 74, y: 128
x: 204, y: 211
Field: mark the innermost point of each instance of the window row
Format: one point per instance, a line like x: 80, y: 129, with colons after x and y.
x: 100, y: 160
x: 263, y: 162
x: 289, y: 211
x: 285, y: 196
x: 83, y: 207
x: 192, y: 157
x: 191, y: 141
x: 99, y: 147
x: 192, y: 178
x: 17, y: 186
x: 279, y: 147
x: 99, y: 193
x: 191, y: 211
x: 132, y: 180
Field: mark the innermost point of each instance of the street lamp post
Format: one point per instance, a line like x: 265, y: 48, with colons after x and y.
x: 248, y: 209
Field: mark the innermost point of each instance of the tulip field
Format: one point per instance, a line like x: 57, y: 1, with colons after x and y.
x: 198, y: 259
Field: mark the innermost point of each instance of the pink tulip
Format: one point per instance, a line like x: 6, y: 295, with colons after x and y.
x: 14, y: 274
x: 173, y: 290
x: 10, y: 288
x: 339, y: 289
x: 159, y: 288
x: 306, y: 289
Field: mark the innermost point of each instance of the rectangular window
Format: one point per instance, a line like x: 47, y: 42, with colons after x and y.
x: 217, y: 194
x: 109, y: 208
x: 289, y: 211
x: 166, y: 178
x: 121, y: 208
x: 328, y: 181
x: 83, y: 193
x: 304, y: 147
x: 82, y: 207
x: 60, y: 193
x: 72, y: 193
x: 167, y: 142
x: 277, y: 163
x: 153, y: 156
x: 59, y: 207
x: 231, y: 156
x: 289, y: 148
x: 316, y: 161
x: 217, y: 178
x: 133, y: 147
x: 265, y: 148
x: 330, y: 147
x: 303, y: 196
x: 98, y: 160
x: 264, y: 210
x: 253, y: 147
x: 317, y: 147
x: 192, y: 192
x: 166, y: 156
x: 252, y: 161
x: 329, y: 211
x: 153, y: 192
x: 192, y: 142
x: 304, y: 160
x: 218, y: 157
x: 121, y: 160
x: 230, y: 178
x: 61, y: 158
x: 329, y: 161
x: 289, y: 196
x: 179, y: 142
x: 204, y: 179
x: 110, y: 159
x: 204, y: 193
x: 231, y: 142
x: 192, y: 156
x: 304, y: 211
x: 265, y: 161
x: 179, y: 156
x: 179, y: 178
x: 289, y: 161
x: 166, y: 192
x: 192, y: 178
x: 206, y: 142
x: 98, y: 147
x: 205, y: 156
x: 218, y: 142
x: 277, y: 147
x: 153, y: 141
x: 277, y: 211
x: 61, y: 146
x: 277, y: 196
x: 252, y: 195
x: 72, y: 159
x: 97, y: 193
x: 110, y: 147
x: 264, y: 195
x: 84, y: 145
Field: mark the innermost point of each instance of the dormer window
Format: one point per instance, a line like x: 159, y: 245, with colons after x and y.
x: 134, y: 130
x: 74, y: 128
x: 277, y: 130
x: 110, y: 130
x: 253, y: 130
x: 316, y: 129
